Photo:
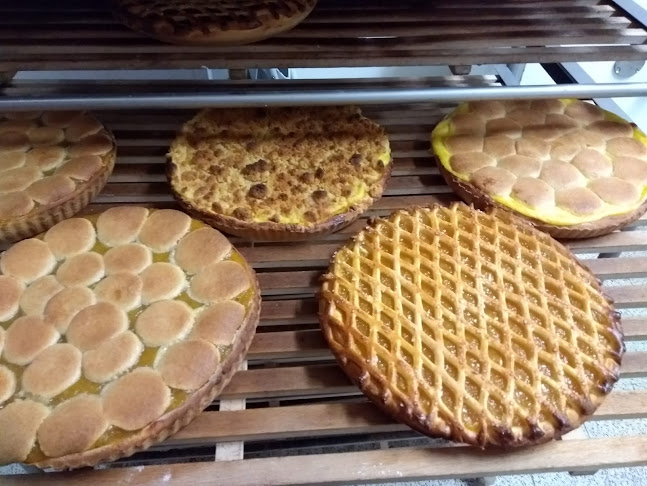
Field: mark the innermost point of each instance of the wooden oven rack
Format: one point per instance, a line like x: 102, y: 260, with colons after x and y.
x: 292, y: 388
x: 77, y: 34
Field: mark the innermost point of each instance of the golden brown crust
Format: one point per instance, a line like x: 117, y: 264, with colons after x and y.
x: 473, y: 195
x: 219, y: 281
x: 19, y: 422
x: 100, y: 327
x: 565, y: 165
x: 200, y: 22
x: 128, y: 408
x: 73, y: 426
x: 20, y: 217
x: 37, y: 295
x: 189, y: 364
x: 112, y: 357
x: 388, y: 355
x: 173, y: 421
x: 26, y: 338
x: 38, y: 378
x: 241, y: 171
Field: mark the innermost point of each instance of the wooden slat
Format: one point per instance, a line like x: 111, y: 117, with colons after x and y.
x: 341, y: 418
x: 634, y: 328
x: 375, y: 466
x: 336, y: 34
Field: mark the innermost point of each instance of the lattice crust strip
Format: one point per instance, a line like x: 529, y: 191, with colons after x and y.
x: 471, y: 326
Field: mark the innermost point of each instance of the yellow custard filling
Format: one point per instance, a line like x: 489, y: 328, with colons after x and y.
x: 147, y: 358
x: 552, y: 214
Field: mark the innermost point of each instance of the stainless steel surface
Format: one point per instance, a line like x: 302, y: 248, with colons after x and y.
x: 291, y: 97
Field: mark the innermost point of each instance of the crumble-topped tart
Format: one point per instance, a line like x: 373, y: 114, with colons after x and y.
x: 51, y: 165
x: 471, y: 326
x: 279, y: 174
x: 570, y: 167
x: 115, y: 331
x: 205, y: 22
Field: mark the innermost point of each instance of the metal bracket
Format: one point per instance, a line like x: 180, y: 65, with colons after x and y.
x: 626, y: 69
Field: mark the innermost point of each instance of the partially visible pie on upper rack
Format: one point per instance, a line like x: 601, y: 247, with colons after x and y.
x: 51, y: 165
x: 225, y: 22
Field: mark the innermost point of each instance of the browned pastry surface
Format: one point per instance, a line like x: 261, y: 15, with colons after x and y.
x: 471, y: 326
x: 570, y: 167
x: 96, y: 364
x: 279, y: 173
x: 51, y: 165
x: 225, y: 22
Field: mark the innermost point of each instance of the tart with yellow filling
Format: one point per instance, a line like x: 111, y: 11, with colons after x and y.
x: 51, y: 165
x: 279, y: 174
x: 570, y: 167
x: 116, y: 330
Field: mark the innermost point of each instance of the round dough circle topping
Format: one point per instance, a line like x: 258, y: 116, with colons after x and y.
x: 112, y: 358
x: 81, y: 168
x: 164, y: 322
x: 163, y: 229
x: 27, y: 260
x: 19, y: 422
x: 7, y: 383
x: 81, y: 270
x: 10, y: 291
x: 61, y: 308
x: 131, y: 257
x: 96, y: 324
x: 15, y: 204
x: 121, y: 289
x: 18, y: 179
x: 189, y: 365
x: 53, y: 371
x: 200, y: 248
x: 162, y: 281
x: 45, y: 158
x: 35, y: 297
x: 51, y: 189
x: 73, y: 426
x: 219, y: 281
x: 128, y: 408
x: 70, y: 237
x: 219, y: 322
x: 12, y: 160
x: 26, y: 338
x: 120, y: 225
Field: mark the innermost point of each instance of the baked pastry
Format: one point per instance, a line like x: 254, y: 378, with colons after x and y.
x: 279, y: 174
x: 115, y: 331
x: 51, y: 165
x: 204, y: 22
x: 571, y: 168
x: 471, y: 326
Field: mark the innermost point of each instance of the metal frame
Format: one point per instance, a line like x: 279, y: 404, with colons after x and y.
x: 290, y: 97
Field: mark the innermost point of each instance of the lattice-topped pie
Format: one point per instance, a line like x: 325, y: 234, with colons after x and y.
x: 568, y: 166
x: 51, y: 165
x: 471, y: 326
x: 225, y: 22
x: 279, y: 174
x: 115, y: 331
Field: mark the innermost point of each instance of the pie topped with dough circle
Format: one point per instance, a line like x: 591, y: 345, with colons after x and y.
x: 115, y: 331
x: 51, y: 165
x: 570, y: 167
